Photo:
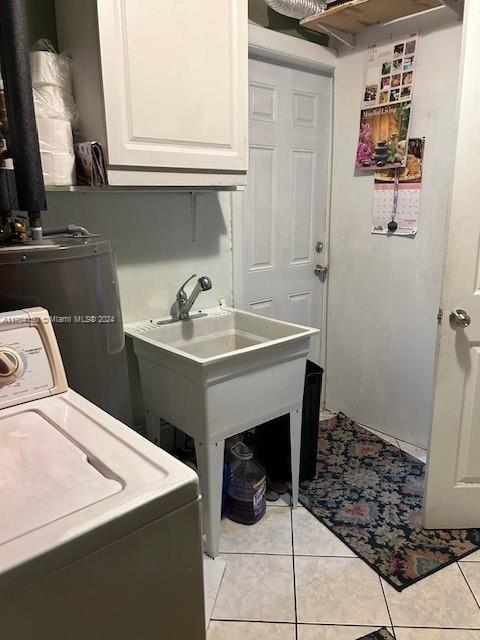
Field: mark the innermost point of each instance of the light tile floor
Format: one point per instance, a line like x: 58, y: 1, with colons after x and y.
x: 290, y: 578
x: 213, y: 571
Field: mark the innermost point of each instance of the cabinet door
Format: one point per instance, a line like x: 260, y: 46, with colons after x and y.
x: 175, y: 82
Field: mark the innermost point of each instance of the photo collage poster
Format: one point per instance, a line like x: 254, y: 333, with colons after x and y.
x: 386, y: 104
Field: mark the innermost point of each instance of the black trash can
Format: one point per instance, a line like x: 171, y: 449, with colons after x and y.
x: 272, y: 439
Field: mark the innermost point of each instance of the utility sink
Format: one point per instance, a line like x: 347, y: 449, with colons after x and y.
x: 215, y: 376
x: 228, y: 367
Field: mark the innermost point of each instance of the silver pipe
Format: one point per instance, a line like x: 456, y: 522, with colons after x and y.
x: 71, y: 229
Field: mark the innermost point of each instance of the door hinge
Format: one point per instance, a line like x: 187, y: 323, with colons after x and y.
x: 440, y: 316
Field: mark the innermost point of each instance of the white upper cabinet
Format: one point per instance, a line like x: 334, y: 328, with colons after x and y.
x: 163, y: 85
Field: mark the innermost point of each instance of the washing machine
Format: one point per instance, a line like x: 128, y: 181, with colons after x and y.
x: 99, y: 529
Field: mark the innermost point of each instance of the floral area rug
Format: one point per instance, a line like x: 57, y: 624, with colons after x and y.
x: 381, y: 634
x: 369, y: 494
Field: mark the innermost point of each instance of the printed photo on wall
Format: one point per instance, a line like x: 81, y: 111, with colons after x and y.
x: 383, y: 137
x: 370, y: 93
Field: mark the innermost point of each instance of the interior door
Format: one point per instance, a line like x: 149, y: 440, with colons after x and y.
x: 453, y: 480
x: 286, y: 198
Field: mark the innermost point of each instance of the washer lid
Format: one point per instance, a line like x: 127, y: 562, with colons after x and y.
x: 44, y: 475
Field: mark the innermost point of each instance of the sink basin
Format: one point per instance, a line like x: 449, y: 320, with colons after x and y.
x: 216, y: 376
x: 220, y: 334
x: 218, y: 344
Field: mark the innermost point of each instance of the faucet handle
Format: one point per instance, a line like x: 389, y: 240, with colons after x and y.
x: 205, y: 283
x: 194, y: 275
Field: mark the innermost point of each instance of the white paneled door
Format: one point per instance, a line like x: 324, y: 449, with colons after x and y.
x: 453, y: 480
x: 286, y: 198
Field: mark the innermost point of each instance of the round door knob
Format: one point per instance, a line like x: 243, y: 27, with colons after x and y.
x: 459, y: 319
x: 11, y: 366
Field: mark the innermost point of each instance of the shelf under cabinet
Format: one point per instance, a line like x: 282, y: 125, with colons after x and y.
x: 135, y: 189
x: 355, y: 15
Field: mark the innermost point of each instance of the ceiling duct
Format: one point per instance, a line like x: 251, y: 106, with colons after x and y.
x: 298, y: 9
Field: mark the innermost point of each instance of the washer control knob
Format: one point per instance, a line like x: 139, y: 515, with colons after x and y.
x: 11, y: 366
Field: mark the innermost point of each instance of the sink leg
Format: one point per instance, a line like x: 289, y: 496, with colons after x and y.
x: 210, y: 470
x: 295, y: 441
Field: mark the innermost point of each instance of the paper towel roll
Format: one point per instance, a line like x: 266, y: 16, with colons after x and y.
x: 51, y: 101
x: 58, y: 168
x: 50, y: 68
x: 55, y: 135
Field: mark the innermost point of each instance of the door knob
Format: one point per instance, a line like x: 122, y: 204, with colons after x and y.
x: 320, y: 271
x: 459, y: 319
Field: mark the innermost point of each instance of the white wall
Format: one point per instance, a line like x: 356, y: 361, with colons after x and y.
x: 157, y: 245
x: 154, y: 243
x: 384, y: 291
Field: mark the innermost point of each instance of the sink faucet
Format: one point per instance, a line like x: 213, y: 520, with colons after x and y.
x: 183, y: 302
